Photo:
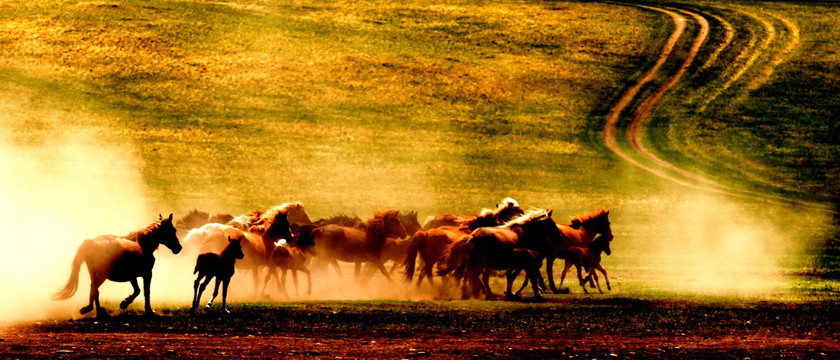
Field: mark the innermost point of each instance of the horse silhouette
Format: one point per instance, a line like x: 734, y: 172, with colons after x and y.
x: 220, y: 266
x: 120, y: 259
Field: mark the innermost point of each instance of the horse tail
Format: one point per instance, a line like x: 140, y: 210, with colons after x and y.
x: 411, y: 253
x: 72, y: 284
x: 456, y: 256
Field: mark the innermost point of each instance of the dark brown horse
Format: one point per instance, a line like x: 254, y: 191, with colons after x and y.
x: 120, y: 259
x: 292, y: 256
x: 220, y: 266
x: 358, y: 244
x: 491, y: 248
x: 581, y: 232
x: 589, y: 258
x: 430, y: 244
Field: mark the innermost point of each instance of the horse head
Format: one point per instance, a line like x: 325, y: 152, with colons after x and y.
x: 296, y: 214
x: 279, y: 227
x: 165, y: 234
x: 233, y: 248
x: 410, y: 223
x: 601, y: 243
x: 392, y: 226
x: 597, y: 222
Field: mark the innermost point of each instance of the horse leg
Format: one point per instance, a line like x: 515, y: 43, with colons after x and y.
x: 225, y: 284
x: 358, y: 270
x: 485, y: 280
x: 196, y: 293
x: 147, y: 287
x: 599, y: 267
x: 337, y: 268
x: 295, y: 280
x: 582, y: 280
x: 595, y: 277
x: 201, y: 289
x: 566, y: 267
x: 381, y: 268
x: 95, y: 283
x: 308, y: 280
x: 533, y: 274
x: 549, y: 269
x: 124, y: 304
x: 283, y: 281
x: 511, y: 275
x: 272, y: 272
x: 215, y: 293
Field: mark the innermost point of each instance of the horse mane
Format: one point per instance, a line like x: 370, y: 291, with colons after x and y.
x: 341, y: 219
x: 192, y: 218
x: 528, y: 217
x: 148, y: 230
x: 578, y: 221
x: 376, y: 225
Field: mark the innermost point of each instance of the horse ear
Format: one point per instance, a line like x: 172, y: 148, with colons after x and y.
x: 550, y: 211
x: 170, y: 216
x: 229, y: 239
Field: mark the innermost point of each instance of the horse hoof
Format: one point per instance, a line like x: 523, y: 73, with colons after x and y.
x: 124, y: 304
x: 86, y: 309
x: 150, y: 313
x: 227, y: 311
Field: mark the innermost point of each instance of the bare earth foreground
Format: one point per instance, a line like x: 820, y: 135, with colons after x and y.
x: 608, y: 328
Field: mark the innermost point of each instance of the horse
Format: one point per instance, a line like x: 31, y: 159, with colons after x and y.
x: 491, y: 248
x: 220, y: 266
x: 590, y: 258
x: 436, y: 221
x: 581, y: 232
x: 120, y: 259
x: 358, y: 244
x: 292, y: 256
x: 431, y: 244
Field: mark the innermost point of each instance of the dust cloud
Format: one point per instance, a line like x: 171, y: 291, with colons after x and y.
x: 59, y: 184
x: 707, y: 244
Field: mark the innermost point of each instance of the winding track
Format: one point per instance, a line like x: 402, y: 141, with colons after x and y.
x: 635, y: 128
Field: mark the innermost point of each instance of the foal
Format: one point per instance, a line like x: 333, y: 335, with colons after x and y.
x: 292, y: 257
x: 219, y: 266
x: 590, y: 259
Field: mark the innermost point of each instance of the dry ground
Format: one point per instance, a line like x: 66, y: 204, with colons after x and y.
x: 608, y: 328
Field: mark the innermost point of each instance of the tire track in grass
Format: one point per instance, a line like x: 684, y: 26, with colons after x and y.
x: 635, y: 129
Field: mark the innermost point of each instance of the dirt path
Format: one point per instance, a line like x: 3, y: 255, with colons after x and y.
x: 636, y: 130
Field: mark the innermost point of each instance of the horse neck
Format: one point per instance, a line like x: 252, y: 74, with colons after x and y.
x: 147, y: 239
x: 376, y: 232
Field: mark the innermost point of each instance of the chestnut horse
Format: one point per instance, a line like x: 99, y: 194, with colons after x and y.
x: 492, y: 248
x: 430, y: 244
x: 362, y: 243
x: 120, y: 259
x: 581, y: 232
x: 220, y: 266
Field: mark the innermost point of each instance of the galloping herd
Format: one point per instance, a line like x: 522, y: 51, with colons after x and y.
x: 465, y: 250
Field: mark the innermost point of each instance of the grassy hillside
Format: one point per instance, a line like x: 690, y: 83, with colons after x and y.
x: 435, y: 106
x: 442, y: 106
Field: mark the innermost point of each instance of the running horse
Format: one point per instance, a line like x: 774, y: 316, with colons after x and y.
x: 362, y: 243
x: 430, y: 244
x: 580, y: 233
x: 120, y: 259
x: 494, y: 248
